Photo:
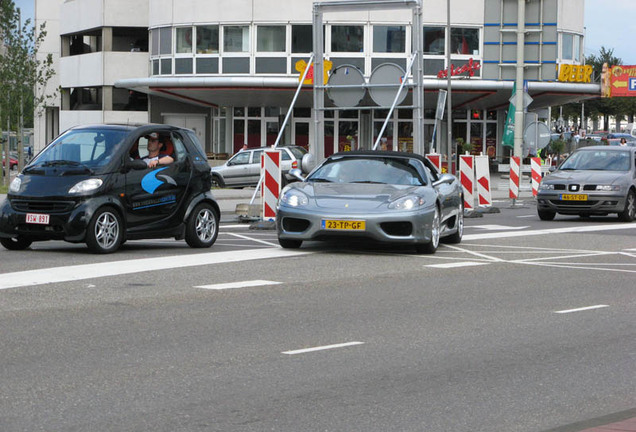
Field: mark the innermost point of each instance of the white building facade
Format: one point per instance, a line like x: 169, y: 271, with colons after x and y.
x: 229, y: 68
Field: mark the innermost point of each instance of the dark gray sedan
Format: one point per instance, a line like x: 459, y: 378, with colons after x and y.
x: 391, y: 197
x: 595, y: 180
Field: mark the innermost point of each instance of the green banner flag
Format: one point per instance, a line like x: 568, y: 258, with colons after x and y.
x: 509, y: 128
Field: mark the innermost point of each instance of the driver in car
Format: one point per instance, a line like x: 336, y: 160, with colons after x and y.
x: 155, y: 157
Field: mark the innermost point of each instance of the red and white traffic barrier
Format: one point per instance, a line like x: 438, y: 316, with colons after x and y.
x: 436, y: 159
x: 535, y: 167
x: 467, y: 179
x: 271, y: 174
x: 515, y: 175
x: 482, y: 173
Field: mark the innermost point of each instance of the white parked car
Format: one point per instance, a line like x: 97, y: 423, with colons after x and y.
x: 244, y: 168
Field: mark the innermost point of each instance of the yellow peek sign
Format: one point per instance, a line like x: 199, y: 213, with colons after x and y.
x: 575, y: 73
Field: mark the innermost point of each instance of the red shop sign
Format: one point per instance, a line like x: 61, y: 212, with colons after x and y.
x: 469, y: 67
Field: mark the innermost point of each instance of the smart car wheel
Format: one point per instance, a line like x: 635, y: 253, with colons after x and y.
x: 289, y: 243
x: 104, y: 233
x: 202, y: 227
x: 431, y: 246
x: 17, y: 243
x: 546, y: 215
x: 629, y: 213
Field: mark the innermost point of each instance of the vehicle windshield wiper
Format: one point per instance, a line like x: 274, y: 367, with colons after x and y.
x: 66, y: 162
x: 320, y: 180
x: 368, y: 181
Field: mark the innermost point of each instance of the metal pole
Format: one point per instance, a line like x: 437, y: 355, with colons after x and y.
x: 418, y: 74
x: 519, y: 102
x: 449, y: 99
x: 319, y: 91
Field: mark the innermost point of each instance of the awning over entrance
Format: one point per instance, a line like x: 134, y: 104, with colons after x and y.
x: 265, y: 91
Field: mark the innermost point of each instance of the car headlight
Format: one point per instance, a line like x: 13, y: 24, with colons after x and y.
x: 608, y: 188
x: 294, y: 198
x: 15, y: 185
x: 86, y: 186
x: 407, y: 203
x: 546, y: 186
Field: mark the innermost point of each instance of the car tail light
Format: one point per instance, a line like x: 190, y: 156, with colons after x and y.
x: 295, y: 164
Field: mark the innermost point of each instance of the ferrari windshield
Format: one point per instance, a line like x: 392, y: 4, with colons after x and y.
x: 88, y: 147
x: 598, y: 160
x: 401, y: 171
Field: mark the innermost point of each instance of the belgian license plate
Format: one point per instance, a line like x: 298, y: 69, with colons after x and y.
x: 348, y: 225
x: 573, y: 197
x: 37, y: 218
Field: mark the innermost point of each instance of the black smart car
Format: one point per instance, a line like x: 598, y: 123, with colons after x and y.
x: 96, y: 184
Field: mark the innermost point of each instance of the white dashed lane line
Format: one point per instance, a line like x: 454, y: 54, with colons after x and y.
x: 322, y: 348
x: 582, y: 309
x: 235, y: 285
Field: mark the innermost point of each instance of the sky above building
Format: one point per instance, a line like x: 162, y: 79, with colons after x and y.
x: 608, y: 23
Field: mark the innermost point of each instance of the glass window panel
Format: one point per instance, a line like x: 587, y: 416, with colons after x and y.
x: 577, y: 48
x: 272, y: 129
x: 236, y: 65
x: 155, y: 67
x: 207, y: 65
x: 166, y: 66
x: 271, y: 38
x: 302, y: 37
x: 239, y: 134
x: 183, y: 65
x: 253, y: 133
x: 165, y: 40
x: 389, y: 39
x: 154, y: 36
x: 347, y: 38
x: 239, y: 112
x: 236, y: 38
x: 434, y: 40
x: 208, y: 39
x: 566, y: 47
x: 184, y: 40
x: 274, y: 65
x: 465, y: 41
x: 254, y: 111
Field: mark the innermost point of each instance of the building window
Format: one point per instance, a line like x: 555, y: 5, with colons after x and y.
x: 347, y: 38
x: 389, y: 39
x: 165, y: 40
x: 85, y: 99
x: 566, y: 46
x: 133, y: 39
x: 208, y: 39
x: 184, y: 40
x: 302, y: 37
x: 434, y: 40
x: 271, y: 38
x: 465, y: 41
x: 236, y: 39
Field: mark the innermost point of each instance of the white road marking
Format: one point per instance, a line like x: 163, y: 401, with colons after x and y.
x: 234, y: 285
x: 577, y: 229
x: 115, y: 268
x: 477, y: 254
x: 630, y: 250
x: 497, y: 227
x: 253, y: 239
x: 457, y: 264
x: 322, y: 348
x: 581, y: 309
x: 236, y: 226
x: 527, y: 216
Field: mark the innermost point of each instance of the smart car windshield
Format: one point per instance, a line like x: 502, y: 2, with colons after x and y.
x: 598, y: 160
x: 401, y: 171
x: 84, y: 147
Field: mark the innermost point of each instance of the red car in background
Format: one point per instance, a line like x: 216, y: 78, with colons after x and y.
x: 13, y: 162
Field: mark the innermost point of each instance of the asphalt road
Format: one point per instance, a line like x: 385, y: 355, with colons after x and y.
x: 524, y: 326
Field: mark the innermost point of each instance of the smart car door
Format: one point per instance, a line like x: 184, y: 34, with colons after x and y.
x: 154, y: 195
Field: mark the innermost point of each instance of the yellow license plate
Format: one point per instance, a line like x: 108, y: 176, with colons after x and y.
x: 348, y: 225
x: 573, y: 197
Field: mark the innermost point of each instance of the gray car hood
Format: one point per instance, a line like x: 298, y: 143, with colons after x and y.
x: 585, y: 176
x: 356, y: 196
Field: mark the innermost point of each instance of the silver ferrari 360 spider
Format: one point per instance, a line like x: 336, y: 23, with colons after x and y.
x: 392, y: 197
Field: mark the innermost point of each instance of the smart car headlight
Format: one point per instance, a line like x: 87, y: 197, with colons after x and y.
x: 294, y: 198
x: 15, y: 185
x: 546, y: 186
x: 86, y: 186
x: 408, y: 202
x: 608, y: 188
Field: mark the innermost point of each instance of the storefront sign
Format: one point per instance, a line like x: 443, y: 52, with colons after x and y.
x: 470, y: 67
x: 301, y: 65
x: 575, y: 73
x: 622, y: 81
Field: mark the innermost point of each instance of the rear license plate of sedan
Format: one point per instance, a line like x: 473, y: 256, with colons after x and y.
x: 37, y: 218
x: 573, y: 197
x: 343, y: 225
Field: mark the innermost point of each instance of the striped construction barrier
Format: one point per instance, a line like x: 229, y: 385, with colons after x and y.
x: 436, y: 159
x: 515, y: 174
x: 271, y: 174
x: 467, y: 179
x: 535, y: 167
x: 482, y: 174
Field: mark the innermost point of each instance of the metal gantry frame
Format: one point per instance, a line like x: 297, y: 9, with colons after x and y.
x: 417, y: 83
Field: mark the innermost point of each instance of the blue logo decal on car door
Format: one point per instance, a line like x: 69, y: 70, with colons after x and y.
x: 150, y: 183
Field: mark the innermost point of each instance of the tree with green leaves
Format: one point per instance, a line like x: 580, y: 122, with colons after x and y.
x: 23, y: 77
